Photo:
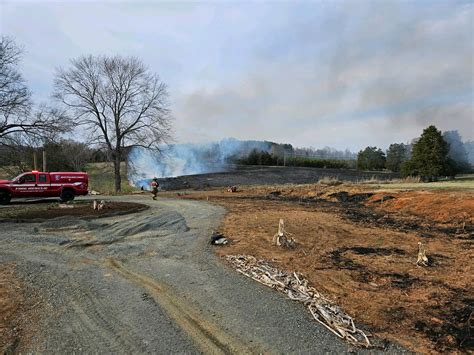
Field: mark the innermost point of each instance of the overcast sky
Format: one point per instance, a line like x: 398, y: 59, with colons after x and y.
x: 344, y: 74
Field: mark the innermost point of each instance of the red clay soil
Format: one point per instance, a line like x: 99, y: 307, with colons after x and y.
x: 368, y: 269
x: 437, y: 206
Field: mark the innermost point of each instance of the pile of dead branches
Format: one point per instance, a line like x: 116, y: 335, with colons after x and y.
x: 296, y: 288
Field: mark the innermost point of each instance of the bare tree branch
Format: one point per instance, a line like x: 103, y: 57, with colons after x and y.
x: 17, y: 118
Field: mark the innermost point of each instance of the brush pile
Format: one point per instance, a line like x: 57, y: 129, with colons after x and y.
x: 296, y: 288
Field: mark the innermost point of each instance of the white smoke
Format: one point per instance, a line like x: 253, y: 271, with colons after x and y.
x: 188, y: 159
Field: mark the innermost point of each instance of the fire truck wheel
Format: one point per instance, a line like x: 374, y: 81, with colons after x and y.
x: 67, y: 195
x: 5, y: 197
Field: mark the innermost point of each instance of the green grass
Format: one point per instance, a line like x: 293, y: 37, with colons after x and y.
x: 101, y: 178
x: 464, y: 182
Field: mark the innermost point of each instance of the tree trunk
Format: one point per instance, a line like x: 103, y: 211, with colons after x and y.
x: 118, y: 178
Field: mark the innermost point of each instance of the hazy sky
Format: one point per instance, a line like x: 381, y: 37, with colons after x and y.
x: 344, y: 74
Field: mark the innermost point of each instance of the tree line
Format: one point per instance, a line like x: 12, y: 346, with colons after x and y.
x: 269, y: 158
x: 430, y: 156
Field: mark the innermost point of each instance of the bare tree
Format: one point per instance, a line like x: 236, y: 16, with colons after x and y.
x: 14, y: 95
x: 17, y: 118
x: 76, y: 154
x: 119, y: 101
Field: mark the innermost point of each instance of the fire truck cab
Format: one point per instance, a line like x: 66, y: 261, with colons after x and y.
x: 65, y: 185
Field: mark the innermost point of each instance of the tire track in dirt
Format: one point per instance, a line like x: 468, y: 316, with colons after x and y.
x: 97, y: 322
x: 209, y: 338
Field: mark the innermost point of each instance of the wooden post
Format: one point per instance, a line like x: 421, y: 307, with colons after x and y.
x: 35, y: 161
x: 44, y: 160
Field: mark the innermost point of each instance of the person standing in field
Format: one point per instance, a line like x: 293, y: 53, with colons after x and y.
x: 154, y: 187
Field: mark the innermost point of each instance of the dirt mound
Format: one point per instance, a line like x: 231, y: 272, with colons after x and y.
x: 171, y: 222
x: 82, y: 209
x: 87, y: 234
x: 67, y: 222
x: 437, y: 206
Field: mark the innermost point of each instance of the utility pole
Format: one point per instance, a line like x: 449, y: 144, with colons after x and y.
x: 35, y: 161
x: 44, y: 160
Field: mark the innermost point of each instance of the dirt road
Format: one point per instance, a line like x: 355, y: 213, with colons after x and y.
x: 148, y: 282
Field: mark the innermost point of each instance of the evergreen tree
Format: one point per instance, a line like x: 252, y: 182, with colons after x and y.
x: 396, y: 155
x: 429, y: 156
x: 371, y: 158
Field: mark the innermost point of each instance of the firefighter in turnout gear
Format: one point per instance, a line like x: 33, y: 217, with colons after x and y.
x: 154, y: 187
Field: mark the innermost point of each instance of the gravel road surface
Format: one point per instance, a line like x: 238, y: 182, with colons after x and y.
x: 149, y: 283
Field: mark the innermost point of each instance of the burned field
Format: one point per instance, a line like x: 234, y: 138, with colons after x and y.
x: 266, y: 175
x: 359, y: 247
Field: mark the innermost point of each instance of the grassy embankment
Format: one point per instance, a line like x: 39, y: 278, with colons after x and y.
x: 101, y: 178
x: 461, y: 182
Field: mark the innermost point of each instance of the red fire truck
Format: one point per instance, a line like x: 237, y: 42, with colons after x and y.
x: 65, y: 185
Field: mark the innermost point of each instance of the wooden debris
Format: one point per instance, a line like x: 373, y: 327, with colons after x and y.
x: 101, y: 205
x: 422, y: 258
x: 280, y: 239
x: 296, y: 288
x: 64, y: 205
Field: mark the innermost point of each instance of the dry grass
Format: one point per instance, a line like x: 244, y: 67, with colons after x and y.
x: 462, y: 182
x: 330, y: 181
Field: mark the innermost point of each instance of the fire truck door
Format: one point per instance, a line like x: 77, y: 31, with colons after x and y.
x: 26, y: 186
x: 44, y: 185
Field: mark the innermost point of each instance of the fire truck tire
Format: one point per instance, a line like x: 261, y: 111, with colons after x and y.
x: 5, y: 197
x: 67, y: 195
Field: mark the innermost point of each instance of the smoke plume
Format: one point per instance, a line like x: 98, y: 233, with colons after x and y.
x: 188, y: 159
